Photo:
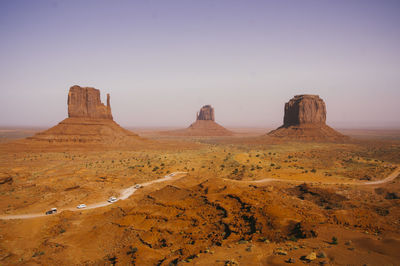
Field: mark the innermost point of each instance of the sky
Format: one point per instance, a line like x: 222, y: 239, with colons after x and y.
x: 162, y: 60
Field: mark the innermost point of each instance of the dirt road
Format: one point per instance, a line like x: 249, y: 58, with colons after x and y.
x: 124, y: 194
x: 389, y: 178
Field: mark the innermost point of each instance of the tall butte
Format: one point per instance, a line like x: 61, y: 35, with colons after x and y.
x: 305, y: 119
x: 204, y: 125
x: 86, y: 103
x: 89, y: 121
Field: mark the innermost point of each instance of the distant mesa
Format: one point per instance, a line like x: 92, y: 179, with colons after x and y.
x: 305, y: 119
x: 89, y: 121
x: 204, y: 125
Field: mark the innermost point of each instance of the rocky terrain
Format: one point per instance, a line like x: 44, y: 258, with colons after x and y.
x: 238, y: 204
x: 204, y: 125
x: 305, y: 119
x: 223, y: 200
x: 89, y: 121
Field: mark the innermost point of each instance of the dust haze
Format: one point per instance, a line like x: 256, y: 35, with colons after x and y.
x: 199, y: 133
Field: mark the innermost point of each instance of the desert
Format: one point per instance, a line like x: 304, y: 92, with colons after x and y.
x: 223, y: 200
x: 173, y: 133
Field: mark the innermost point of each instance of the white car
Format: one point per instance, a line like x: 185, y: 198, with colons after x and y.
x: 138, y: 186
x: 112, y: 199
x: 81, y: 206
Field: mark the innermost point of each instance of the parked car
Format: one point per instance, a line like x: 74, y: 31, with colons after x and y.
x: 138, y: 186
x: 81, y: 206
x: 112, y: 199
x: 52, y: 210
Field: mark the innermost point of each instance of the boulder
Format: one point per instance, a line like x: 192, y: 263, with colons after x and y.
x: 310, y: 257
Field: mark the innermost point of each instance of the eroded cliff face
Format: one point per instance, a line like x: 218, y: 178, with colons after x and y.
x: 304, y: 109
x: 84, y: 102
x: 206, y: 113
x: 305, y: 119
x: 89, y: 121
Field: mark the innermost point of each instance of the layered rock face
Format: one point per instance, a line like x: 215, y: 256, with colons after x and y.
x: 204, y: 125
x: 85, y: 102
x: 305, y: 119
x: 304, y: 109
x: 206, y: 113
x: 89, y: 121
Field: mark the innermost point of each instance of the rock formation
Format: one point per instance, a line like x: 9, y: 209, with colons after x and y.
x: 206, y: 113
x: 304, y: 109
x: 305, y: 119
x: 89, y: 121
x: 85, y: 102
x: 204, y: 125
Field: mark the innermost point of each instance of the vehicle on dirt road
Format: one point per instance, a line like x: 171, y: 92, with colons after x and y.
x: 112, y: 199
x: 51, y: 211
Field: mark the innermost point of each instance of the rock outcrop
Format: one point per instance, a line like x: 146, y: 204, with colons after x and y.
x: 89, y: 121
x: 305, y: 119
x: 304, y: 109
x: 206, y: 113
x: 85, y: 102
x: 204, y: 125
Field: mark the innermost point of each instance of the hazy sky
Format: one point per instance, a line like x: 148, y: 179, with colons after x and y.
x: 162, y: 60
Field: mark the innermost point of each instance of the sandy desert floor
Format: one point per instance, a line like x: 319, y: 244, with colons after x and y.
x: 243, y: 200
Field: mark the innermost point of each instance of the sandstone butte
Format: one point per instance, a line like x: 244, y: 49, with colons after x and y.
x: 204, y: 125
x: 89, y: 121
x: 305, y: 119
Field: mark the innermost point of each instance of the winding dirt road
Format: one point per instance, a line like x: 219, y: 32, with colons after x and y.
x: 389, y: 178
x: 124, y: 194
